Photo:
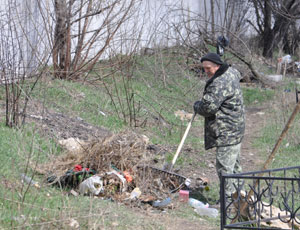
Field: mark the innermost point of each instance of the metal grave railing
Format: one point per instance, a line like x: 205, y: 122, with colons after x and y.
x: 265, y: 200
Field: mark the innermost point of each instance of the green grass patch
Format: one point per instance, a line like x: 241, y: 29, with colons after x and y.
x: 257, y: 95
x: 20, y: 147
x: 288, y: 151
x: 54, y: 211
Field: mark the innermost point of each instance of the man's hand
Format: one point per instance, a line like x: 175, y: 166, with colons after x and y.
x: 197, y: 106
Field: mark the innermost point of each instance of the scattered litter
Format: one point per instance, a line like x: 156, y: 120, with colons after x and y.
x: 147, y: 198
x: 116, y: 168
x: 286, y: 59
x: 197, y: 203
x: 102, y: 113
x: 202, y: 183
x: 115, y: 224
x: 187, y: 182
x: 127, y: 176
x: 36, y: 117
x: 19, y: 219
x: 297, y: 66
x: 29, y: 180
x: 110, y: 179
x: 163, y: 203
x: 136, y: 193
x: 210, y: 212
x: 80, y: 95
x: 73, y: 224
x: 275, y: 77
x: 72, y: 178
x: 74, y: 193
x: 91, y: 186
x: 72, y: 144
x: 184, y: 195
x: 79, y: 118
x: 210, y: 165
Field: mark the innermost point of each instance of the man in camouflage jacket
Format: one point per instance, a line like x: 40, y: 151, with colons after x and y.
x: 223, y: 110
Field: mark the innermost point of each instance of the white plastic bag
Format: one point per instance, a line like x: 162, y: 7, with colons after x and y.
x: 286, y: 59
x: 298, y: 66
x: 210, y: 212
x: 122, y: 179
x: 197, y: 203
x: 92, y: 185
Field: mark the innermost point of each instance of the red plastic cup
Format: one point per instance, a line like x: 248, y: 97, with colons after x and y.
x: 184, y: 195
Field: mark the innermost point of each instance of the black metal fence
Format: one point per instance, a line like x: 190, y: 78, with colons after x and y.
x: 267, y: 199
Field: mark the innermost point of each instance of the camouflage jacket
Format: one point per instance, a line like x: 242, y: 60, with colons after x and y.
x: 223, y: 109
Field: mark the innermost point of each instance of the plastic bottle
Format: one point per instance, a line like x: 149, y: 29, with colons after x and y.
x: 210, y: 212
x: 29, y: 181
x: 162, y: 203
x: 197, y: 203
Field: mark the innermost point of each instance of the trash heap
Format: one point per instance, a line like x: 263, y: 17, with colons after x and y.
x: 116, y: 168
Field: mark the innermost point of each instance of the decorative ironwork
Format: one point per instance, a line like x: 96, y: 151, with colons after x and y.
x: 265, y: 200
x: 297, y: 97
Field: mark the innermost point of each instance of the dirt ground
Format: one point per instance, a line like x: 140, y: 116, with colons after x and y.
x: 61, y: 126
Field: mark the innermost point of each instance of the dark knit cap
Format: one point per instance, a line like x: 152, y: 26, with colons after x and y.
x: 213, y: 57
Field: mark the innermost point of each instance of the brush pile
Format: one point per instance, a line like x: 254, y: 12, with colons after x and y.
x: 120, y: 160
x: 123, y: 151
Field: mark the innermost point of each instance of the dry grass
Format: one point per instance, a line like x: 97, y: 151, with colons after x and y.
x: 124, y: 151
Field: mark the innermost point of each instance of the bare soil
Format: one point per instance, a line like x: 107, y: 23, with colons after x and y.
x: 62, y: 126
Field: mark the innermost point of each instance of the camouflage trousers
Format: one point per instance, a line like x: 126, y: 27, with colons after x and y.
x: 228, y: 161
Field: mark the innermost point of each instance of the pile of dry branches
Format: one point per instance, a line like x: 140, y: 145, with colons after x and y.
x: 124, y: 151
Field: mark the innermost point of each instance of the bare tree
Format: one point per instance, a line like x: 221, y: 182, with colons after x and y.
x: 212, y: 6
x: 222, y: 16
x: 275, y: 23
x: 21, y: 59
x: 195, y: 34
x: 229, y: 20
x: 79, y: 39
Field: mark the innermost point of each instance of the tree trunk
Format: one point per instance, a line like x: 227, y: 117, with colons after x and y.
x: 268, y: 43
x: 60, y: 39
x: 212, y: 10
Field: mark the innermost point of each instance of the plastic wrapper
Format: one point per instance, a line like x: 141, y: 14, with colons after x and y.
x: 91, y: 186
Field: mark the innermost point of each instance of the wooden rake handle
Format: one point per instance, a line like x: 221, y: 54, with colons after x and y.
x: 182, y: 141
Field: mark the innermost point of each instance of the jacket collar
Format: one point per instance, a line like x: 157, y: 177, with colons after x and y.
x: 223, y: 68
